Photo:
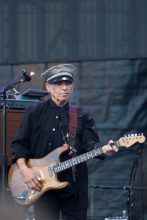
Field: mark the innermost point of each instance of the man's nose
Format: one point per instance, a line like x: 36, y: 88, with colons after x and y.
x: 64, y: 85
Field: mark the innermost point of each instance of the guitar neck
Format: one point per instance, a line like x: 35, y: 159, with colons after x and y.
x: 79, y: 159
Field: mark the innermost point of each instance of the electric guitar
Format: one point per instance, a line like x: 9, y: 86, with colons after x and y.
x: 50, y: 165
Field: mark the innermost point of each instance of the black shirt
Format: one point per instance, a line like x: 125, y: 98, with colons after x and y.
x: 40, y: 133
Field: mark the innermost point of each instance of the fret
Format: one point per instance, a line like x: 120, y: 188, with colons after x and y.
x: 83, y: 157
x: 58, y: 168
x: 63, y: 166
x: 67, y: 164
x: 76, y: 160
x: 97, y: 152
x: 89, y: 155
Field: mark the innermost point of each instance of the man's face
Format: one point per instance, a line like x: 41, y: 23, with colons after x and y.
x: 61, y: 91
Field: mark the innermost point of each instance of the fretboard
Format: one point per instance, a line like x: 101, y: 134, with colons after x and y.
x: 78, y: 159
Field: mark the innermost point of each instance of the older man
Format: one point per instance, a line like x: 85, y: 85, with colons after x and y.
x: 46, y: 127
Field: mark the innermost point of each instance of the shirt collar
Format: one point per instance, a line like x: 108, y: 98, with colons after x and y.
x: 53, y: 105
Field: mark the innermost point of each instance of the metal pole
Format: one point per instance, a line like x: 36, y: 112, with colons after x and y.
x: 4, y: 154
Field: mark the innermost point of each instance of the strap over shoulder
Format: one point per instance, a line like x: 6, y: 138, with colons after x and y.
x: 72, y: 128
x: 72, y: 120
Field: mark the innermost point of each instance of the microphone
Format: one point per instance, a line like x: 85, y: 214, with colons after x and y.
x: 26, y: 76
x: 23, y: 76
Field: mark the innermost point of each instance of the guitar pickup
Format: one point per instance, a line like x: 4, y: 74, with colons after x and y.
x: 20, y: 197
x: 24, y: 194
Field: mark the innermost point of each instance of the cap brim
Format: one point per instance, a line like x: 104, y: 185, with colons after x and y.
x: 60, y: 78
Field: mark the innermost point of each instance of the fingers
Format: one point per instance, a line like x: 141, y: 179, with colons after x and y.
x: 33, y: 181
x: 110, y: 148
x: 34, y: 184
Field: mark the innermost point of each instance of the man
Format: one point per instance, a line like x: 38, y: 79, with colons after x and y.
x: 46, y: 127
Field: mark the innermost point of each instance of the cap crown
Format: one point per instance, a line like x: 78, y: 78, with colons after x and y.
x: 59, y: 73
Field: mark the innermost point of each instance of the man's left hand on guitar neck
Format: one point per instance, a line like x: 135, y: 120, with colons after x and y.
x: 109, y: 148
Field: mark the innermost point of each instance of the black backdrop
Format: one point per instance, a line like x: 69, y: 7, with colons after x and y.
x: 107, y: 41
x: 59, y: 30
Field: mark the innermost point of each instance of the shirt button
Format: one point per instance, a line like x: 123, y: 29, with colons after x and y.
x: 57, y: 116
x: 49, y: 144
x: 53, y: 129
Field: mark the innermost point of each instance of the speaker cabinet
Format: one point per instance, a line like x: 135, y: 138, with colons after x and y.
x: 14, y: 118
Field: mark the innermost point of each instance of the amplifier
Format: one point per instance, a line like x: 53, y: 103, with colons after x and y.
x: 27, y: 98
x: 20, y: 104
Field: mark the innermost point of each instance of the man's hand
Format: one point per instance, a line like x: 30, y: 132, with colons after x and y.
x: 31, y: 178
x: 110, y: 148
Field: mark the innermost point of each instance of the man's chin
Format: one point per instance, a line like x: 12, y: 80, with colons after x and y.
x: 64, y: 98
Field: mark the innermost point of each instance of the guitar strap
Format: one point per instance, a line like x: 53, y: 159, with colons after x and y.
x: 72, y: 129
x: 72, y: 120
x: 72, y: 133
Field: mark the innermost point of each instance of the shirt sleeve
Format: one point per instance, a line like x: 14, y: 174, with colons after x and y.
x: 20, y: 145
x: 90, y: 136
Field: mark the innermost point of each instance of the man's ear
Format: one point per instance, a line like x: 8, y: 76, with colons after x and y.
x: 47, y: 86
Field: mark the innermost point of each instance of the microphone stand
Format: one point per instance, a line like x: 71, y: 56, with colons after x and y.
x: 4, y: 155
x: 131, y: 192
x: 23, y: 77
